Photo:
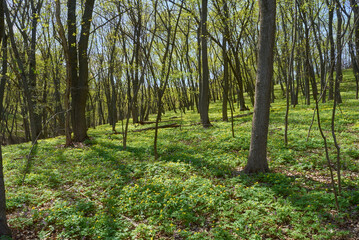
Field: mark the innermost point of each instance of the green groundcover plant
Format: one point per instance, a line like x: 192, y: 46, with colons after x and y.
x: 195, y: 190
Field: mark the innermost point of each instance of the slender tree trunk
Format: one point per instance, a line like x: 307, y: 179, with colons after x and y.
x: 240, y: 92
x: 338, y: 68
x: 332, y: 50
x: 317, y: 39
x: 257, y: 160
x: 193, y: 87
x: 337, y: 97
x: 355, y: 57
x: 72, y: 63
x: 58, y: 106
x: 289, y: 77
x: 225, y: 72
x: 32, y: 69
x: 355, y: 67
x: 113, y: 108
x: 165, y: 73
x: 44, y: 111
x: 309, y: 71
x: 25, y: 119
x: 204, y: 90
x: 28, y: 82
x: 66, y: 46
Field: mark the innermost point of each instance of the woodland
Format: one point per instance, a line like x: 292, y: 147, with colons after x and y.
x: 179, y: 119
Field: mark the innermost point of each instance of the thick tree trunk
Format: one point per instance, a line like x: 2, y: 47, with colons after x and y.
x: 257, y: 160
x: 4, y: 228
x: 79, y: 88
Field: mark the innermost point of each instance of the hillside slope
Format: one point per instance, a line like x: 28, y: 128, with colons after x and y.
x: 195, y: 190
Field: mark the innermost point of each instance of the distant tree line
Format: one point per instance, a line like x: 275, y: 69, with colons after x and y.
x: 98, y: 63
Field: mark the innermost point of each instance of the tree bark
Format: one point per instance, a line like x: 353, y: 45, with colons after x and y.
x: 355, y: 57
x: 79, y: 88
x: 225, y: 69
x: 32, y: 69
x: 204, y: 90
x: 332, y: 50
x: 28, y: 81
x: 338, y: 66
x: 257, y: 160
x: 4, y: 228
x: 66, y: 47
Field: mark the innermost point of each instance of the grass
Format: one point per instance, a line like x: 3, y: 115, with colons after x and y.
x: 100, y: 191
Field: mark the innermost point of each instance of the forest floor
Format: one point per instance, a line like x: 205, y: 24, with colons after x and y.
x: 195, y: 190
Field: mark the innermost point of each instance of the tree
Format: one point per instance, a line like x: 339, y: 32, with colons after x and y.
x: 204, y: 86
x: 331, y: 8
x: 28, y: 77
x: 65, y: 46
x: 355, y: 55
x: 4, y: 228
x: 78, y: 58
x: 225, y: 62
x: 257, y: 160
x: 165, y: 70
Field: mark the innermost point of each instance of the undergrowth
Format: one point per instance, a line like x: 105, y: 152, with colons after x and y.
x: 195, y: 190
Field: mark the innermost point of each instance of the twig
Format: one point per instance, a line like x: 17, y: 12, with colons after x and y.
x: 172, y: 125
x: 130, y: 220
x: 242, y: 115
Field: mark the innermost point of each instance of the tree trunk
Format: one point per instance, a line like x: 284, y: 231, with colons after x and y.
x: 79, y: 88
x: 317, y: 39
x: 72, y: 59
x: 204, y: 90
x: 257, y: 160
x: 332, y: 51
x: 28, y: 82
x: 193, y: 87
x: 355, y: 57
x: 66, y: 47
x: 113, y: 102
x: 32, y: 71
x: 225, y: 72
x: 290, y: 76
x: 338, y: 68
x: 240, y: 92
x: 4, y: 228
